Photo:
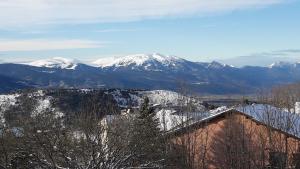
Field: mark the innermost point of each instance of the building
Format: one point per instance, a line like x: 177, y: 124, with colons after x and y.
x: 251, y: 136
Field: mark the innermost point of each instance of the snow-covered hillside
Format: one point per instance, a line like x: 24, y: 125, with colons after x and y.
x: 40, y: 102
x: 46, y: 101
x: 56, y: 62
x: 124, y: 98
x: 153, y: 61
x: 5, y: 102
x: 163, y: 98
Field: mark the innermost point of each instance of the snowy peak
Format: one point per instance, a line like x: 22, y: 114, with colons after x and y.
x: 280, y: 65
x: 146, y: 61
x: 284, y: 65
x: 216, y: 65
x: 56, y: 62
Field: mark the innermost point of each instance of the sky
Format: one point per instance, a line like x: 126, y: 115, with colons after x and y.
x: 237, y: 32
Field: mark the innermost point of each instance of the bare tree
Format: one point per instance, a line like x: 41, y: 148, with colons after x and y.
x: 190, y: 150
x: 233, y: 147
x: 279, y: 112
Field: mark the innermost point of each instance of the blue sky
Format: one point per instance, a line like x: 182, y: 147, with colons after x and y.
x: 233, y: 31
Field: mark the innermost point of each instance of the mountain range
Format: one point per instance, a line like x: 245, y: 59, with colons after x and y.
x: 146, y: 71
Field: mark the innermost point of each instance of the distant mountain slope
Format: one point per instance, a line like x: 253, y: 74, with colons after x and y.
x: 151, y: 62
x: 153, y: 71
x: 56, y: 62
x: 9, y: 84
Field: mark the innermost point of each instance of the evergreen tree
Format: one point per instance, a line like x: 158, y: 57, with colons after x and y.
x: 146, y: 143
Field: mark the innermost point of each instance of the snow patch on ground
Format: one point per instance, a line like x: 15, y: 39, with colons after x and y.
x: 162, y: 97
x: 8, y: 100
x: 119, y: 98
x: 42, y: 106
x: 169, y: 98
x: 169, y: 120
x: 219, y: 109
x: 5, y: 102
x: 136, y: 100
x: 156, y: 97
x: 297, y: 108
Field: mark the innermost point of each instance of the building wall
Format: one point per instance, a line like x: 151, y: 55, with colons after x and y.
x: 233, y: 141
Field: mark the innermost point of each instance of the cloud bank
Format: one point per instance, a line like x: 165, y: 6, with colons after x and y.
x: 265, y: 58
x: 33, y: 12
x: 7, y: 45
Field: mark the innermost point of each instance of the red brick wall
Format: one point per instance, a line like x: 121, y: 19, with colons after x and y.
x: 209, y: 144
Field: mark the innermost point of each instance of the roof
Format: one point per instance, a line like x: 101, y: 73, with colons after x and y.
x: 276, y: 118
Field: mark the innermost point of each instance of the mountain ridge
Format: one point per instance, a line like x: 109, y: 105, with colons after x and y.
x: 151, y: 72
x: 136, y: 59
x: 55, y: 62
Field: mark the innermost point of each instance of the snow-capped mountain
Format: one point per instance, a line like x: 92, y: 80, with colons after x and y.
x: 217, y: 65
x: 146, y: 71
x: 154, y: 62
x: 284, y: 65
x: 56, y: 62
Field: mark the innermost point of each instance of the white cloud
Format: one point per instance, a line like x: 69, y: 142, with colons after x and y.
x: 45, y: 44
x: 265, y: 58
x: 31, y: 12
x: 115, y: 30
